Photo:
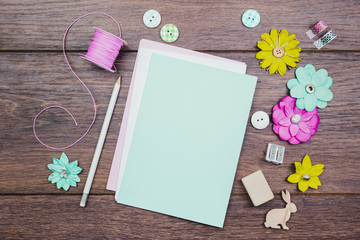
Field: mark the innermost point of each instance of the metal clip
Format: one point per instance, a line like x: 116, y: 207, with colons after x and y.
x: 275, y: 153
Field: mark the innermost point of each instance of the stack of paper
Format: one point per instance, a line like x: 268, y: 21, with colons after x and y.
x: 182, y: 132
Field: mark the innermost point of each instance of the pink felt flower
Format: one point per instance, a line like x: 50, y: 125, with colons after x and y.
x: 293, y: 124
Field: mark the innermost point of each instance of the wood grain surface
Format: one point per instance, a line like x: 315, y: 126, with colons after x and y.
x: 33, y: 75
x: 56, y: 216
x: 203, y: 24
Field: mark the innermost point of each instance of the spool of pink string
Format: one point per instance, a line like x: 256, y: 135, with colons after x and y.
x: 103, y: 51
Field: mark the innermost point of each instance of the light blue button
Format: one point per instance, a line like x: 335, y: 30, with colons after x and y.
x: 251, y: 18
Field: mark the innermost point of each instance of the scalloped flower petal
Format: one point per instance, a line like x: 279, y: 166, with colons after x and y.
x: 323, y: 94
x: 328, y: 82
x: 319, y: 77
x: 310, y: 69
x: 302, y: 76
x: 297, y: 91
x: 321, y: 104
x: 292, y: 83
x: 310, y: 102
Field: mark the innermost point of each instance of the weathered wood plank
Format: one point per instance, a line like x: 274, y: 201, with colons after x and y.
x: 31, y: 81
x: 60, y: 217
x: 203, y: 25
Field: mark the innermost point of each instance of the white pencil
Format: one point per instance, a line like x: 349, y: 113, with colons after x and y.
x: 100, y: 143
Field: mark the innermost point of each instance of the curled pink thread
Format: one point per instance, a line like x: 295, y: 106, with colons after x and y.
x: 102, y: 51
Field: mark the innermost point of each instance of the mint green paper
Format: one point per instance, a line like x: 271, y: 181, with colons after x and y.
x: 187, y: 140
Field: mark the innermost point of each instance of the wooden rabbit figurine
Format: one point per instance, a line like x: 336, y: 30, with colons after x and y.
x: 276, y: 217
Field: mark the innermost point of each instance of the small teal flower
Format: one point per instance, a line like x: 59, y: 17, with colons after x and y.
x: 311, y: 88
x: 64, y: 174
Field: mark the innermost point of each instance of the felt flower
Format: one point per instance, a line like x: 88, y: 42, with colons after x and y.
x: 278, y: 50
x: 311, y: 88
x: 306, y: 175
x: 64, y: 174
x: 293, y: 124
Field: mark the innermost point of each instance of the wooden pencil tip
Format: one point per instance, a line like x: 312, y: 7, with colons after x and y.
x: 119, y: 80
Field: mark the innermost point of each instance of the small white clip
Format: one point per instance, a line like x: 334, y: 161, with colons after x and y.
x: 275, y: 153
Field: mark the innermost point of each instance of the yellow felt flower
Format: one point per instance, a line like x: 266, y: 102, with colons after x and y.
x: 278, y: 50
x: 306, y: 175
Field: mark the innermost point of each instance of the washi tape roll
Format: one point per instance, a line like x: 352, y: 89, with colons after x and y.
x: 315, y: 30
x: 328, y: 37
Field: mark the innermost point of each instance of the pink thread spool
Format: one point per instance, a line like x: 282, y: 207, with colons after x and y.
x: 104, y: 49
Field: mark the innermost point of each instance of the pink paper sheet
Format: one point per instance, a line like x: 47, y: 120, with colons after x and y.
x: 115, y: 167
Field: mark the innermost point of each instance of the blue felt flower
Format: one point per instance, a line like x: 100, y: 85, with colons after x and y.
x: 64, y: 174
x: 310, y: 88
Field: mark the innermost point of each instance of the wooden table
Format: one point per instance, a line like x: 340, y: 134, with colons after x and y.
x: 33, y: 75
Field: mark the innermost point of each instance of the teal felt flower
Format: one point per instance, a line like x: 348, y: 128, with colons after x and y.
x: 64, y: 174
x: 310, y: 88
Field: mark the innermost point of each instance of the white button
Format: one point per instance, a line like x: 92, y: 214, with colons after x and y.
x: 260, y: 120
x: 152, y: 18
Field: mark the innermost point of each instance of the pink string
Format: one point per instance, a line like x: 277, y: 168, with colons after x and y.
x: 104, y: 49
x: 109, y: 55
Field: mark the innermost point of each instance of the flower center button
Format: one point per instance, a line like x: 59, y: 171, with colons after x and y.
x: 296, y: 118
x: 278, y: 51
x: 310, y: 88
